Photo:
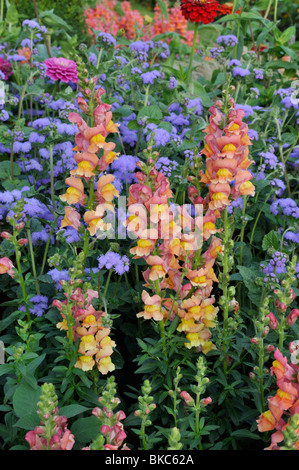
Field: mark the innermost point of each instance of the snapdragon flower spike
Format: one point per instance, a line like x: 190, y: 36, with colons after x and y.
x: 96, y: 346
x: 90, y: 142
x: 285, y: 403
x: 52, y: 433
x: 226, y: 150
x: 170, y: 253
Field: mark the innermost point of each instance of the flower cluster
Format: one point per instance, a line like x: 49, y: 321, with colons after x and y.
x: 169, y: 240
x: 89, y: 142
x: 104, y: 17
x: 52, y: 434
x: 112, y: 429
x: 283, y: 403
x: 88, y: 325
x: 226, y: 150
x: 60, y: 68
x: 196, y: 11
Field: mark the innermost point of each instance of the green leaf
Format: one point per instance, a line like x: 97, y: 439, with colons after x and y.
x: 35, y: 363
x: 249, y: 276
x: 286, y: 35
x: 245, y: 433
x: 271, y: 240
x: 25, y: 400
x: 150, y: 112
x: 72, y: 410
x: 148, y: 366
x: 5, y: 169
x: 163, y: 8
x: 28, y: 422
x: 199, y: 90
x: 12, y: 15
x: 86, y: 429
x: 50, y: 19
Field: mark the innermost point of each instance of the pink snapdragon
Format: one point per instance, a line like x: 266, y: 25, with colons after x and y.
x: 285, y: 403
x: 6, y: 267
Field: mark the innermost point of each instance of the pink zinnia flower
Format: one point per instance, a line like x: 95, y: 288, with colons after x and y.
x: 5, y: 68
x: 59, y: 68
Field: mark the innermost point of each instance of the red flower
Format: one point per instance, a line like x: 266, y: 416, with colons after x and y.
x: 5, y: 68
x: 200, y: 10
x: 227, y: 9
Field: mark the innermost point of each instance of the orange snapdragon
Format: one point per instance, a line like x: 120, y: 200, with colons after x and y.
x: 226, y: 150
x: 79, y: 317
x: 169, y: 240
x: 96, y: 346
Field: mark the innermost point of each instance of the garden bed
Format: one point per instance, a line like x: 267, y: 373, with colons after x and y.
x: 149, y: 226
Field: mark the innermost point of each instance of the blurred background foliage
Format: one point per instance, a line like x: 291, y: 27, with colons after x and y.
x: 71, y: 10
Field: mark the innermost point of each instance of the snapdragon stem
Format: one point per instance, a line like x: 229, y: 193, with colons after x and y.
x: 90, y: 207
x: 197, y: 413
x: 21, y: 278
x: 281, y: 332
x: 69, y: 315
x: 192, y: 53
x: 225, y: 289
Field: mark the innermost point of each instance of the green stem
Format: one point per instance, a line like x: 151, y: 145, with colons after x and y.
x: 107, y: 283
x: 90, y: 207
x: 242, y: 229
x: 238, y: 35
x: 47, y: 42
x: 261, y: 367
x: 268, y: 9
x: 225, y: 289
x: 237, y: 91
x: 281, y: 157
x: 99, y: 58
x: 192, y: 53
x: 257, y: 218
x: 275, y: 10
x: 47, y: 246
x: 234, y: 6
x: 21, y: 278
x: 143, y: 435
x: 281, y: 332
x: 2, y: 11
x: 33, y: 261
x: 52, y: 179
x: 146, y: 95
x: 197, y: 420
x: 11, y: 161
x: 69, y: 316
x: 21, y: 99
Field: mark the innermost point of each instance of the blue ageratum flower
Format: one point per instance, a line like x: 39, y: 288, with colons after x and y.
x: 227, y: 40
x: 240, y: 72
x: 112, y: 260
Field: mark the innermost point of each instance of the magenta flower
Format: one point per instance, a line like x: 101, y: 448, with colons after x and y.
x: 59, y: 68
x: 5, y: 68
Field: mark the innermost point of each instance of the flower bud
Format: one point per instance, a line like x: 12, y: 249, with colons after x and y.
x: 292, y: 317
x: 273, y: 323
